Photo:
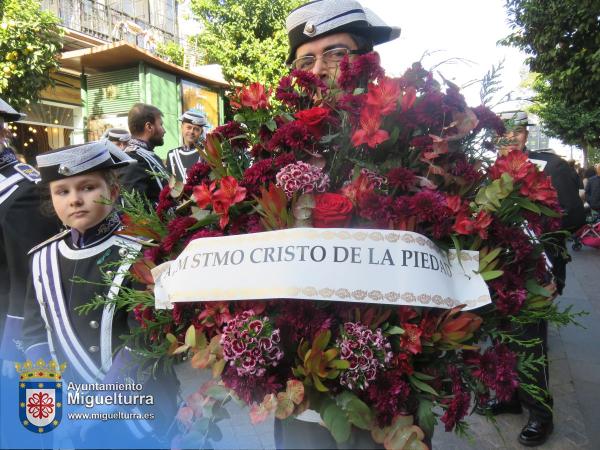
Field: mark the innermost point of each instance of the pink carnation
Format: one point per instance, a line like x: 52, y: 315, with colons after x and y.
x: 367, y: 351
x: 301, y: 177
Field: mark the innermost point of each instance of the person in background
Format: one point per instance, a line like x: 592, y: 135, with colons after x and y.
x: 180, y: 159
x: 118, y: 136
x: 83, y: 187
x: 22, y: 226
x: 149, y: 175
x: 540, y: 423
x: 321, y: 34
x: 592, y: 190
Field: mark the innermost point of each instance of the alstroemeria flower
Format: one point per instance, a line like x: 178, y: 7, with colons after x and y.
x: 369, y: 132
x: 203, y: 194
x: 228, y: 195
x: 410, y: 340
x: 254, y: 96
x: 515, y: 163
x: 383, y: 97
x: 465, y: 225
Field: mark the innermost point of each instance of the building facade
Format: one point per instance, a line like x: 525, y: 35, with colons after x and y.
x: 110, y: 62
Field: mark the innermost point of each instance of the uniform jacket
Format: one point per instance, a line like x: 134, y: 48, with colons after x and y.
x: 22, y: 226
x: 89, y: 343
x: 137, y: 177
x: 592, y: 192
x: 180, y: 159
x: 564, y: 179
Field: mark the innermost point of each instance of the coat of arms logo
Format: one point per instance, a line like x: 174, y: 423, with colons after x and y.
x: 40, y: 395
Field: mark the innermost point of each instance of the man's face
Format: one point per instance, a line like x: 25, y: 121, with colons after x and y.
x: 326, y: 68
x: 191, y: 133
x: 515, y: 139
x: 157, y: 132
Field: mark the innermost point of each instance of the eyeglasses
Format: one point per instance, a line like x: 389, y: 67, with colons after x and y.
x: 330, y: 57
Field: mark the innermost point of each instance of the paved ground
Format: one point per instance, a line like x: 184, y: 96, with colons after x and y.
x: 574, y: 378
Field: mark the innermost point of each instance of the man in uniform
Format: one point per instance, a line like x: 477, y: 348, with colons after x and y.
x: 564, y: 180
x: 118, y: 136
x: 180, y: 159
x: 321, y: 33
x: 149, y: 175
x: 22, y: 226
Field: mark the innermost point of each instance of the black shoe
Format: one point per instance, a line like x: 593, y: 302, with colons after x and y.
x: 535, y: 432
x: 495, y: 407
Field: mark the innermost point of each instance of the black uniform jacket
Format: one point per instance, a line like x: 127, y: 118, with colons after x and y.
x: 22, y: 226
x: 89, y: 343
x: 180, y: 159
x: 148, y: 176
x: 564, y: 179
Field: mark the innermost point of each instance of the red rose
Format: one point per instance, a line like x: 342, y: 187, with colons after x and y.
x: 313, y: 118
x: 331, y: 210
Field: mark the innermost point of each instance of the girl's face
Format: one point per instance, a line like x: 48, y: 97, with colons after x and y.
x: 80, y: 201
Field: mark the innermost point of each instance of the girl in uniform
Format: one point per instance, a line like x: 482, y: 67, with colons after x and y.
x: 83, y: 188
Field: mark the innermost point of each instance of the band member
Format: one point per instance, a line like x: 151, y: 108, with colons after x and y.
x: 83, y: 188
x: 149, y: 175
x: 321, y: 33
x: 22, y: 225
x: 180, y: 159
x: 118, y: 136
x: 540, y: 423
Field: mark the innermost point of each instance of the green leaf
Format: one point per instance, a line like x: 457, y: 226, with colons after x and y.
x: 322, y: 339
x: 190, y: 336
x: 422, y: 386
x: 336, y: 422
x: 532, y: 286
x: 527, y: 204
x: 491, y: 274
x: 423, y: 376
x: 217, y: 392
x: 394, y: 330
x: 239, y: 118
x: 426, y: 418
x: 271, y: 125
x: 483, y: 263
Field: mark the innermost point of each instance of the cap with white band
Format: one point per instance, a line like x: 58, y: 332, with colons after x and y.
x: 117, y: 134
x: 516, y: 118
x: 80, y: 159
x: 195, y: 117
x: 320, y: 18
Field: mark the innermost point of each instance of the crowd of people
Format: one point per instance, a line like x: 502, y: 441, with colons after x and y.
x: 41, y: 254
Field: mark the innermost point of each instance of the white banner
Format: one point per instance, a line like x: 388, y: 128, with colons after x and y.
x: 330, y: 264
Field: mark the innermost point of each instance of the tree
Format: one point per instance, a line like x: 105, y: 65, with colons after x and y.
x: 246, y: 37
x: 571, y: 123
x: 30, y: 40
x: 562, y: 38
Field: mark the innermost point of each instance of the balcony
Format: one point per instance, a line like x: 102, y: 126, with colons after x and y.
x: 145, y: 23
